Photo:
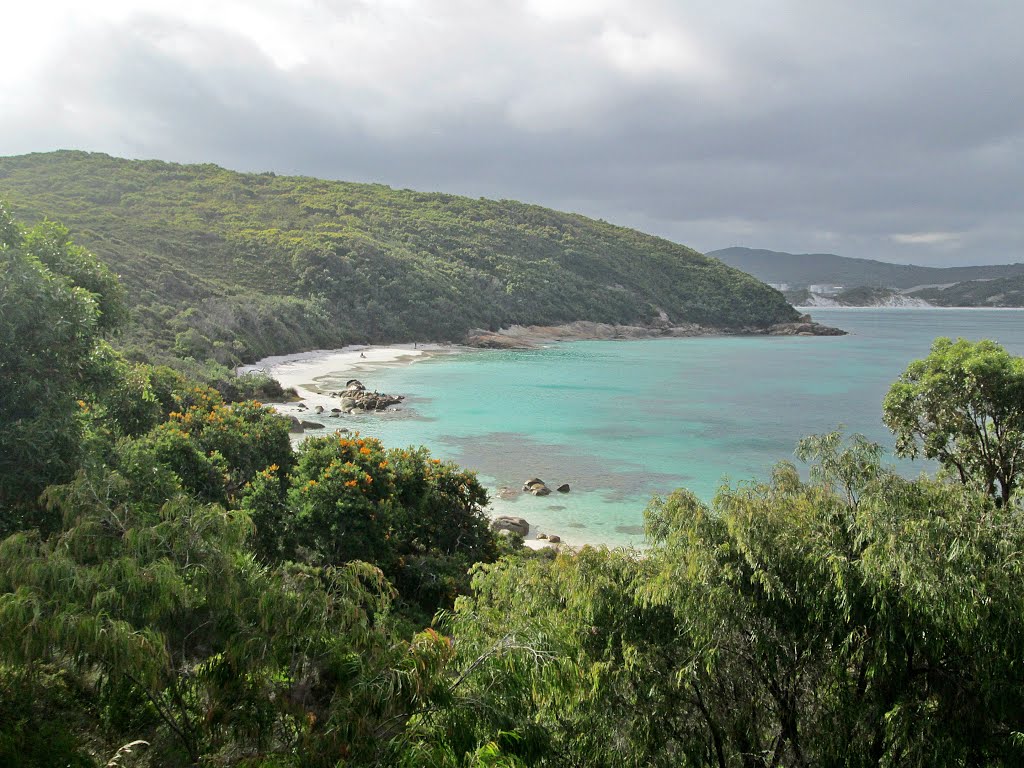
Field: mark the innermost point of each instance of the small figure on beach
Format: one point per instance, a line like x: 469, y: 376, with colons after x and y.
x: 361, y: 354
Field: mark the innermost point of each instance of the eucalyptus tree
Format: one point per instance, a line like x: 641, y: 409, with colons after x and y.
x: 964, y: 406
x: 57, y: 303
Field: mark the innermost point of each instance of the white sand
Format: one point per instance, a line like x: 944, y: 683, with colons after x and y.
x: 304, y: 371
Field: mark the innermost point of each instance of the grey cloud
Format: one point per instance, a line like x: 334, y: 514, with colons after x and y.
x: 815, y: 128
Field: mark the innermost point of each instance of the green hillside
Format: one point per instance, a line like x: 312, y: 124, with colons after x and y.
x: 235, y: 266
x: 803, y: 269
x: 999, y: 292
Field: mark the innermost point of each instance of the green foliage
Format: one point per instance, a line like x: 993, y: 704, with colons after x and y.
x: 218, y: 449
x: 223, y: 266
x: 181, y: 637
x: 40, y: 723
x: 963, y: 405
x: 422, y: 521
x: 51, y: 244
x: 856, y: 619
x: 55, y: 370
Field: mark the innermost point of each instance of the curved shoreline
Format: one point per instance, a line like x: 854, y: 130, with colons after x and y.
x: 301, y: 370
x: 886, y: 335
x: 314, y: 375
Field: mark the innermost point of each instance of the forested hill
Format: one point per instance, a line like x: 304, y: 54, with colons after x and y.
x: 235, y: 266
x: 803, y: 269
x: 999, y: 292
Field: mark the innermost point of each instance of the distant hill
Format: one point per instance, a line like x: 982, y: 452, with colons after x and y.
x: 1001, y: 292
x: 804, y: 269
x: 234, y: 266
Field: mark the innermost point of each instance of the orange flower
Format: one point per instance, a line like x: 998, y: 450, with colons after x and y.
x: 383, y: 465
x: 365, y: 451
x: 351, y: 483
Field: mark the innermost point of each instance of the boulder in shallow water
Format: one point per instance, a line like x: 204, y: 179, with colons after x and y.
x: 511, y: 524
x: 563, y: 488
x: 554, y: 539
x: 536, y: 486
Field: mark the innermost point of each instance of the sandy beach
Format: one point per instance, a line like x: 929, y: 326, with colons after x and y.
x: 304, y: 371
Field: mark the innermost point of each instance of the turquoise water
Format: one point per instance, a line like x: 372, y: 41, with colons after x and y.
x: 623, y: 420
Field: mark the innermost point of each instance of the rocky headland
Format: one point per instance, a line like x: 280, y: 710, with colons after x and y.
x: 531, y: 336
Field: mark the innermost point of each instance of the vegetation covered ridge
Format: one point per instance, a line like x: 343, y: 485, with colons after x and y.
x: 997, y: 292
x: 236, y: 266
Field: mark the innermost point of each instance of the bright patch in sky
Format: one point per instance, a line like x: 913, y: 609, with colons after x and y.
x: 714, y: 124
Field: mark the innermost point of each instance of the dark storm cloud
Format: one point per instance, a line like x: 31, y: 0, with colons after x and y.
x: 894, y: 131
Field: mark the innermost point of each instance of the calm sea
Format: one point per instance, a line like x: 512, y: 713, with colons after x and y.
x: 621, y: 421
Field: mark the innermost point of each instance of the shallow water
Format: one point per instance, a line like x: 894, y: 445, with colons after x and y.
x: 623, y: 420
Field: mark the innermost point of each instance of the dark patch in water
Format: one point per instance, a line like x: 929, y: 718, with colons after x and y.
x: 358, y: 420
x: 632, y: 530
x: 584, y: 388
x: 574, y: 524
x: 555, y: 506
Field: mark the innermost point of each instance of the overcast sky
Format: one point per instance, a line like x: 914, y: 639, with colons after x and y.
x: 881, y: 129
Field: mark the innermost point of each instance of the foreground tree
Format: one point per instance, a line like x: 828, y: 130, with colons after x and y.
x: 170, y: 631
x: 421, y: 520
x: 964, y: 406
x: 57, y: 303
x: 857, y: 619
